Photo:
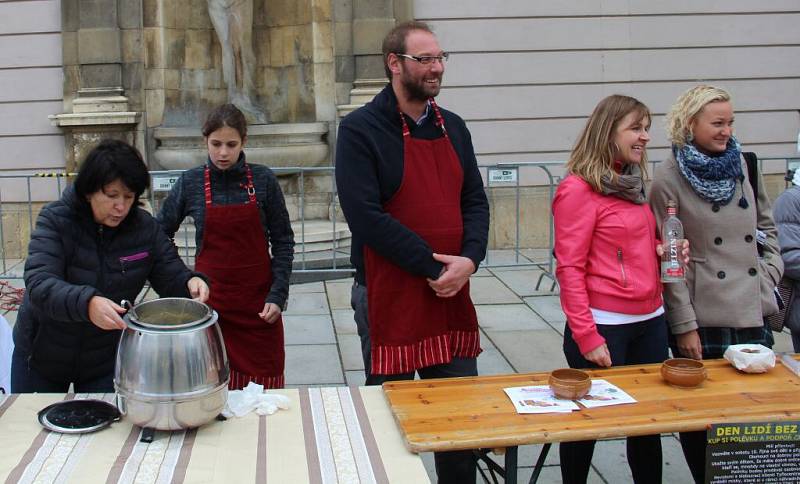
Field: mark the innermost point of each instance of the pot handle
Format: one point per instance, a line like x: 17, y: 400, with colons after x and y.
x: 126, y: 305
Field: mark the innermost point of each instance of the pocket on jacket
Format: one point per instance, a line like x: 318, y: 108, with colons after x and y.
x: 134, y: 266
x: 623, y: 276
x: 769, y: 304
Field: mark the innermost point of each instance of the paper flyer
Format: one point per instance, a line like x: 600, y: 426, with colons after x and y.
x: 538, y: 399
x: 603, y: 394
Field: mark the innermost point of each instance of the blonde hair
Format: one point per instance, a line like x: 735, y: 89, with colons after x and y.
x: 593, y: 154
x: 683, y: 112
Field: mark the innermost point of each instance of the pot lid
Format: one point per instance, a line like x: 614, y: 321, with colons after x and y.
x: 169, y: 313
x: 78, y: 416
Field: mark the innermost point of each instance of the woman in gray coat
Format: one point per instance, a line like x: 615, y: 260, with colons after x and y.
x: 787, y: 218
x: 735, y: 262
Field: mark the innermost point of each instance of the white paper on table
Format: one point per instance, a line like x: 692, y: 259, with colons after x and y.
x: 538, y: 399
x: 603, y: 394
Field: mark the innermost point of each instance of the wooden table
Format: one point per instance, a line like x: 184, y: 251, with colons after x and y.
x: 328, y: 435
x: 475, y: 413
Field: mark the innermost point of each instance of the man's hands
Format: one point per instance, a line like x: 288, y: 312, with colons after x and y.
x: 198, y: 289
x: 105, y: 313
x: 455, y: 274
x: 270, y: 313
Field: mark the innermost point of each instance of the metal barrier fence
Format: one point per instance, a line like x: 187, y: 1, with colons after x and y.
x: 510, y: 175
x: 321, y: 234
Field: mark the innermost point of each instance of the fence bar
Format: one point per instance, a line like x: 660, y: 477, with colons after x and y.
x: 547, y: 266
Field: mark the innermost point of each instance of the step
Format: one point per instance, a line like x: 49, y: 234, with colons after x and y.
x: 310, y: 236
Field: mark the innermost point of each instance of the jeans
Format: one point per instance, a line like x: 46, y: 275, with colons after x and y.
x: 628, y: 344
x: 456, y: 467
x: 25, y: 379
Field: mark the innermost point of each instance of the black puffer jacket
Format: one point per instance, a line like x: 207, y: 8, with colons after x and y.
x: 71, y: 259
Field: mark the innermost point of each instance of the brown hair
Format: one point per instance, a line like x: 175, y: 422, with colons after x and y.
x: 593, y: 154
x: 225, y: 115
x: 395, y: 40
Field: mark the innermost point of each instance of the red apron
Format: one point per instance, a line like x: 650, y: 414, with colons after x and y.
x: 235, y: 258
x: 409, y: 326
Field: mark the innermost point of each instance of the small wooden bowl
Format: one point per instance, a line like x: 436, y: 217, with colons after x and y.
x: 569, y: 383
x: 683, y: 372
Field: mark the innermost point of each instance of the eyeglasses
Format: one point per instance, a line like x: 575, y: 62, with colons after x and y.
x: 426, y: 60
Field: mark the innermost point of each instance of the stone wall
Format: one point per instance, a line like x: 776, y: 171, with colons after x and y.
x: 292, y: 43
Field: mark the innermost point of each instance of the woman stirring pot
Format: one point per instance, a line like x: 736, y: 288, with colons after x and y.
x: 90, y: 249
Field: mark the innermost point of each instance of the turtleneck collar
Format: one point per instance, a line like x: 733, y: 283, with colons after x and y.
x: 237, y: 167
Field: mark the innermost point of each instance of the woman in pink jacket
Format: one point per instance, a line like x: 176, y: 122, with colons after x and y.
x: 608, y: 265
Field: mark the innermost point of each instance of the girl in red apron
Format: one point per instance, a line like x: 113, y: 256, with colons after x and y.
x: 240, y: 218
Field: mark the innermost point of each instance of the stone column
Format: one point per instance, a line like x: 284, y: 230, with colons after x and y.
x: 360, y: 73
x: 95, y: 75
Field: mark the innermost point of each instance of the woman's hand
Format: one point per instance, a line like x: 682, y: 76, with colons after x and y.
x: 689, y: 345
x: 270, y: 313
x: 684, y: 251
x: 599, y: 356
x: 105, y: 313
x: 198, y: 289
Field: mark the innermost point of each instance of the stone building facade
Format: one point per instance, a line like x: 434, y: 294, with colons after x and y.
x: 520, y: 74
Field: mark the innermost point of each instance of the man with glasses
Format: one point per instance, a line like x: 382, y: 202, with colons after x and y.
x: 412, y: 194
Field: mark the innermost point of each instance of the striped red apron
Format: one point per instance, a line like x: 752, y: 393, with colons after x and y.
x: 235, y: 258
x: 409, y: 326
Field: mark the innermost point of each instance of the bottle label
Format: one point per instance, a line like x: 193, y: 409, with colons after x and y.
x: 671, y: 272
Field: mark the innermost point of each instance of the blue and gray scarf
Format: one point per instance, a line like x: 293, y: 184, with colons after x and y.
x: 713, y: 178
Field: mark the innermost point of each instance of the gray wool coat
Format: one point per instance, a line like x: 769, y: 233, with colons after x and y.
x: 787, y: 219
x: 727, y: 283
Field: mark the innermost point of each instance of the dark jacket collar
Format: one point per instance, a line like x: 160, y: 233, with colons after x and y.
x: 386, y: 103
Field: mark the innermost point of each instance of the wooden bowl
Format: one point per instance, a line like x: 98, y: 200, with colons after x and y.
x: 683, y: 372
x: 569, y: 383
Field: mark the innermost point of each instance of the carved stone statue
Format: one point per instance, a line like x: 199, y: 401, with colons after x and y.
x: 233, y: 22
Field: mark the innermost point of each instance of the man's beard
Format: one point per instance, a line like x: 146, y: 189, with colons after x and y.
x: 418, y: 90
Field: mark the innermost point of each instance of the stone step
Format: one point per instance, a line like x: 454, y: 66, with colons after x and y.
x: 363, y: 96
x: 363, y: 91
x: 372, y: 83
x: 311, y: 236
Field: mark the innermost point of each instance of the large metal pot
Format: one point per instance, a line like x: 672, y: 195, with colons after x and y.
x: 172, y: 371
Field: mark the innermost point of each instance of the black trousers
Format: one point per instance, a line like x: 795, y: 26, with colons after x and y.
x: 457, y: 467
x: 628, y: 344
x: 25, y: 379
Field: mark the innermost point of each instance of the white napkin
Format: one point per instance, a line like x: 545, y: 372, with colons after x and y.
x: 252, y: 397
x: 750, y: 358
